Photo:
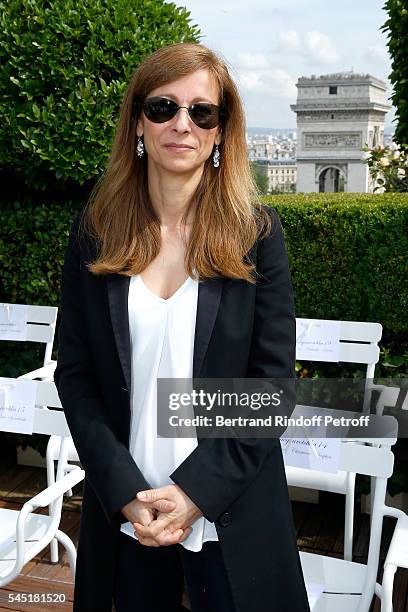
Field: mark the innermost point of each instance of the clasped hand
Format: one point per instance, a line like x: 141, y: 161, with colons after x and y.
x: 162, y: 516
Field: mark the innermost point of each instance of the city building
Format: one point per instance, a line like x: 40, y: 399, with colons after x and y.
x: 282, y: 175
x: 261, y: 149
x: 337, y: 115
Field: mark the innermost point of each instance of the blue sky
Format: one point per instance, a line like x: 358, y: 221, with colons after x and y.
x: 268, y: 44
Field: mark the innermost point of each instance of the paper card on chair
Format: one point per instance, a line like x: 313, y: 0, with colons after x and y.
x: 298, y: 452
x: 13, y: 321
x: 308, y: 446
x: 17, y: 401
x: 317, y: 340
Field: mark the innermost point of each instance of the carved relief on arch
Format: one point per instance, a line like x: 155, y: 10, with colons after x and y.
x: 332, y: 140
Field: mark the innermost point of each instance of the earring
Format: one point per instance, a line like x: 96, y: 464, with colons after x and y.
x: 140, y: 147
x: 216, y: 157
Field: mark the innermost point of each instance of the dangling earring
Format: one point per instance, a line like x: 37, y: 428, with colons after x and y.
x: 216, y: 157
x: 140, y: 147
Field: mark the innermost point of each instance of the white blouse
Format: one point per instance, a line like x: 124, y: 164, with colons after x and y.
x: 162, y: 341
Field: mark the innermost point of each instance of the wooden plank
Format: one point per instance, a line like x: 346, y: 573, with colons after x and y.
x: 311, y: 526
x: 300, y: 510
x: 331, y: 506
x: 362, y: 534
x: 34, y: 480
x: 319, y: 529
x: 22, y: 584
x: 13, y: 478
x: 32, y: 485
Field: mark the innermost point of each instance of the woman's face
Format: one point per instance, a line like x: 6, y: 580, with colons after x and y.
x: 195, y: 143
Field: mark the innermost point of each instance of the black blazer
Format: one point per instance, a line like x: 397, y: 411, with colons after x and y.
x: 242, y: 330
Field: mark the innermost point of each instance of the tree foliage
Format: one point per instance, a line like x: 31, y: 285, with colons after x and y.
x: 396, y: 27
x: 64, y: 67
x: 260, y: 176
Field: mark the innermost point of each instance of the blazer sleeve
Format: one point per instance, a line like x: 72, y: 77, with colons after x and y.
x: 108, y: 464
x: 219, y: 470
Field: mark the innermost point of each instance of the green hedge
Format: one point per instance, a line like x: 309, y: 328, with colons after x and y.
x: 348, y: 257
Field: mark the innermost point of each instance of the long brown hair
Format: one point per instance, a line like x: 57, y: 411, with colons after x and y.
x: 228, y: 216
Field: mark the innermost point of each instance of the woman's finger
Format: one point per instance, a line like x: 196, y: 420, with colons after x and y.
x: 186, y: 533
x: 155, y: 527
x: 166, y: 538
x: 163, y: 505
x: 152, y: 495
x: 148, y: 542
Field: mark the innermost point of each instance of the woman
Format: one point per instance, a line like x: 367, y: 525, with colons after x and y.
x: 175, y: 270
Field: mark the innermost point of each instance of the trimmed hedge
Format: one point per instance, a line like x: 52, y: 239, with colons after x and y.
x: 348, y: 255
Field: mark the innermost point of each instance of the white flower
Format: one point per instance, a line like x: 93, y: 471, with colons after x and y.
x: 396, y: 154
x: 384, y: 161
x: 400, y: 172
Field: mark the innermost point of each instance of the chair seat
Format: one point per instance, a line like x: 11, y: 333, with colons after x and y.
x: 53, y: 449
x: 336, y: 603
x: 343, y: 580
x: 36, y: 526
x: 314, y: 479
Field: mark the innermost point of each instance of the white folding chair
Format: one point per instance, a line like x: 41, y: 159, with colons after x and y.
x: 350, y: 585
x: 41, y: 321
x: 358, y: 345
x: 52, y: 455
x: 397, y: 556
x: 23, y: 533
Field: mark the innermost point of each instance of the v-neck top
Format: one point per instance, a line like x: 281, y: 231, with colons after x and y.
x: 162, y: 341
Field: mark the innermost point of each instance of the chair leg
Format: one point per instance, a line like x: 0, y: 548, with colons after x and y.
x: 349, y: 519
x: 69, y: 547
x: 387, y: 587
x: 50, y: 481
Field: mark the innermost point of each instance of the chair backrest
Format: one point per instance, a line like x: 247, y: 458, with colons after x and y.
x: 358, y: 341
x: 377, y: 462
x: 41, y: 322
x: 49, y: 422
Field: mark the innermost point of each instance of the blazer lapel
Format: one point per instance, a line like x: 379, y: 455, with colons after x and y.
x: 118, y: 289
x: 209, y: 296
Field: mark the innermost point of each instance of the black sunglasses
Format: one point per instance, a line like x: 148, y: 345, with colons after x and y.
x: 160, y: 110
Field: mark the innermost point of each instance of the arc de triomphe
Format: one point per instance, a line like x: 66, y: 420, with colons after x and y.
x: 337, y: 115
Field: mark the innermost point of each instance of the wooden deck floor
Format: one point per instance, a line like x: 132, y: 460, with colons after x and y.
x: 319, y: 529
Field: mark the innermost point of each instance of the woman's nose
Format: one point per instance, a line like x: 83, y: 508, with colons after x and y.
x: 182, y: 120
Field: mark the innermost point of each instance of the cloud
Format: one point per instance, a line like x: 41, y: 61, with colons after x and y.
x: 252, y: 61
x: 289, y: 40
x: 256, y: 72
x: 321, y: 48
x: 376, y: 52
x: 312, y: 46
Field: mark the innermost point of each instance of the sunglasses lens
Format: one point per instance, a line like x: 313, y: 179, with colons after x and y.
x: 160, y: 110
x: 204, y: 115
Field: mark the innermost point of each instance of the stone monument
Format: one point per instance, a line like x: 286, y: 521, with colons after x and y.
x: 337, y: 115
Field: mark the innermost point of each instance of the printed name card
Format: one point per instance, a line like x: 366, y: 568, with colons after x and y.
x: 17, y: 401
x: 13, y: 321
x: 307, y: 446
x: 317, y: 340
